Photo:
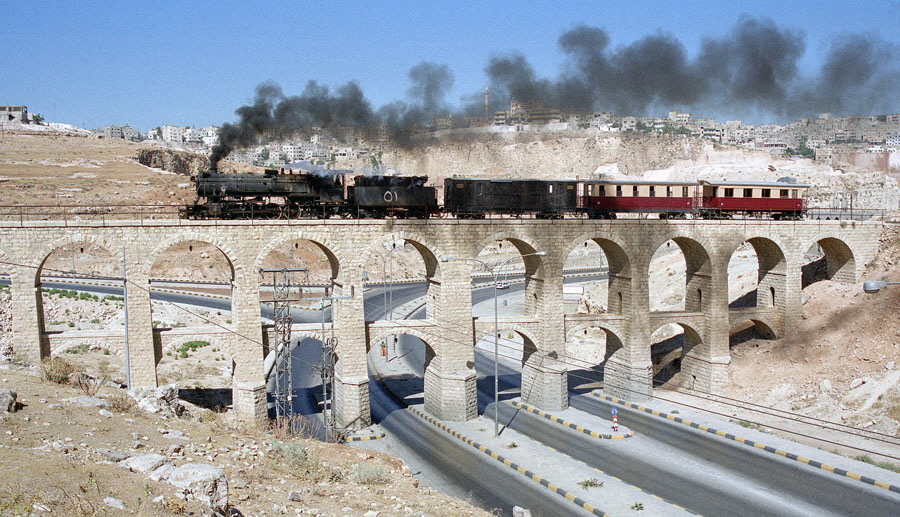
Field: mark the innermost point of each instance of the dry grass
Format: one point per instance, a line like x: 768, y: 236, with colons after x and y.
x: 56, y: 369
x: 86, y: 383
x: 121, y: 402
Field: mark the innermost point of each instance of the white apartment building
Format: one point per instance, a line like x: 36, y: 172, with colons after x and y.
x: 192, y: 134
x: 173, y: 134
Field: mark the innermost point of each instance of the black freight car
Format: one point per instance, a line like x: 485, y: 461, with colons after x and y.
x: 395, y: 196
x: 473, y: 198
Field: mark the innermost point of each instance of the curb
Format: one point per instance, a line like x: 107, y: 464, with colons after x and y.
x: 345, y: 438
x: 791, y: 456
x: 534, y: 477
x: 570, y: 425
x: 569, y: 496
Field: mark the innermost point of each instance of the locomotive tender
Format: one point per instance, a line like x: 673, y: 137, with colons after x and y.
x: 287, y: 195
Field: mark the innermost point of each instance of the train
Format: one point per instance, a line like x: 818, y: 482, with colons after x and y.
x: 277, y: 194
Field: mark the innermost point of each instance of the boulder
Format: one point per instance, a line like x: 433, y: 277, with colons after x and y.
x: 145, y: 463
x: 8, y: 403
x: 204, y: 483
x: 162, y: 400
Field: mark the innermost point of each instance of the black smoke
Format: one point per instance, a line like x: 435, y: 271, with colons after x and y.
x: 752, y: 71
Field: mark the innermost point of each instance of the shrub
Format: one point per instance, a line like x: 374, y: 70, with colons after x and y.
x: 79, y: 349
x: 56, y: 369
x: 367, y: 474
x: 295, y: 456
x: 589, y: 483
x: 87, y: 384
x: 121, y: 402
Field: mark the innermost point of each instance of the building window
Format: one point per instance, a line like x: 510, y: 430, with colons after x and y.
x: 766, y: 192
x: 619, y: 190
x: 783, y: 193
x: 729, y: 192
x: 652, y: 191
x: 748, y: 192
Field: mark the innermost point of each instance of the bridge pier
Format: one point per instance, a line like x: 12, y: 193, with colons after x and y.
x: 142, y: 348
x: 28, y: 316
x: 351, y: 386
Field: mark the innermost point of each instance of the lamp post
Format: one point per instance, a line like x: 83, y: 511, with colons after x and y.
x: 873, y: 286
x: 496, y: 329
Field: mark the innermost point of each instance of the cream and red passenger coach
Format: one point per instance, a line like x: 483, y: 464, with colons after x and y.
x: 602, y: 199
x: 779, y: 200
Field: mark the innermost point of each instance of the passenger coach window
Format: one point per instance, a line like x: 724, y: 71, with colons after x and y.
x: 766, y: 192
x: 794, y: 193
x: 550, y: 188
x: 748, y: 192
x: 619, y: 190
x: 590, y: 190
x: 479, y: 189
x: 634, y: 191
x: 784, y: 193
x: 602, y: 190
x: 684, y: 192
x: 652, y: 191
x: 668, y: 191
x: 729, y: 192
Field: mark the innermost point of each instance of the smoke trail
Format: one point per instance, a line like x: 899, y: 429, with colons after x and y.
x: 750, y: 71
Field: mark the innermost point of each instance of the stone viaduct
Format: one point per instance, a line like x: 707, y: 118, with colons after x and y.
x: 449, y: 329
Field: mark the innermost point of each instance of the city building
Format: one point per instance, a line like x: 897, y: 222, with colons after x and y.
x: 18, y: 114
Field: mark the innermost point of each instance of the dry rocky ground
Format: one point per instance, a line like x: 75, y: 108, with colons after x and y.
x: 841, y: 365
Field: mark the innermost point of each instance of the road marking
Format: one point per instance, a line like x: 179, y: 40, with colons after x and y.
x: 346, y: 438
x: 570, y: 425
x: 813, y: 463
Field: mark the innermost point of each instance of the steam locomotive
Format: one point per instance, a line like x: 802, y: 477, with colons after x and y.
x: 287, y: 195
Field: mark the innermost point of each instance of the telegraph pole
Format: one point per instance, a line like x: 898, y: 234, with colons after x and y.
x: 281, y: 295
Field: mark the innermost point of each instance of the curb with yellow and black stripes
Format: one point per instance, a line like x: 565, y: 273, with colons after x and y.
x: 552, y: 418
x: 366, y: 438
x: 534, y: 477
x: 750, y: 443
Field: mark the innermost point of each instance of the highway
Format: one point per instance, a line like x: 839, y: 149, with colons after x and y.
x: 701, y: 472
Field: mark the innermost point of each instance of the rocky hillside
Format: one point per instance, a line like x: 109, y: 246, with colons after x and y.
x: 571, y: 155
x: 179, y: 162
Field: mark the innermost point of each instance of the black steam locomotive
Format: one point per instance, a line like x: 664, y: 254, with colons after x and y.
x: 288, y: 195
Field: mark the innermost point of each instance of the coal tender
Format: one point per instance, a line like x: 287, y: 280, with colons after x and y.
x: 391, y: 196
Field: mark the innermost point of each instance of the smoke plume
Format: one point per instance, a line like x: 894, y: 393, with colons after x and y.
x: 752, y: 71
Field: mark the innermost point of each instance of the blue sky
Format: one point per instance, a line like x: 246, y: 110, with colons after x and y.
x: 194, y: 63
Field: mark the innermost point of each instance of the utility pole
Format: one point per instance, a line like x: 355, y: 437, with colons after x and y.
x: 329, y: 346
x: 281, y: 295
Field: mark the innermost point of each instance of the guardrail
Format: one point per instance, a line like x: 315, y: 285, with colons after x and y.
x: 101, y: 215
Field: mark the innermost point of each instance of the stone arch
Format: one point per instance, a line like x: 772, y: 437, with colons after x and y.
x: 772, y: 267
x: 692, y: 346
x: 698, y: 268
x: 41, y: 258
x: 839, y: 258
x: 529, y: 345
x: 237, y: 268
x: 321, y: 241
x: 619, y: 275
x: 99, y: 342
x: 750, y: 328
x: 534, y: 264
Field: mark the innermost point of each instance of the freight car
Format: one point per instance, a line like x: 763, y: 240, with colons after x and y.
x: 273, y: 195
x: 474, y: 198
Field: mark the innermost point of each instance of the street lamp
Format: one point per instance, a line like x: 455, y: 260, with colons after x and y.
x: 496, y: 329
x: 873, y: 286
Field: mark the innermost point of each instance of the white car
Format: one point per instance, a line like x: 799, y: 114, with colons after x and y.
x: 502, y: 285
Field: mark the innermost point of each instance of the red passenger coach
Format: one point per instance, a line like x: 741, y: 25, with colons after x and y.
x: 602, y: 199
x: 779, y: 200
